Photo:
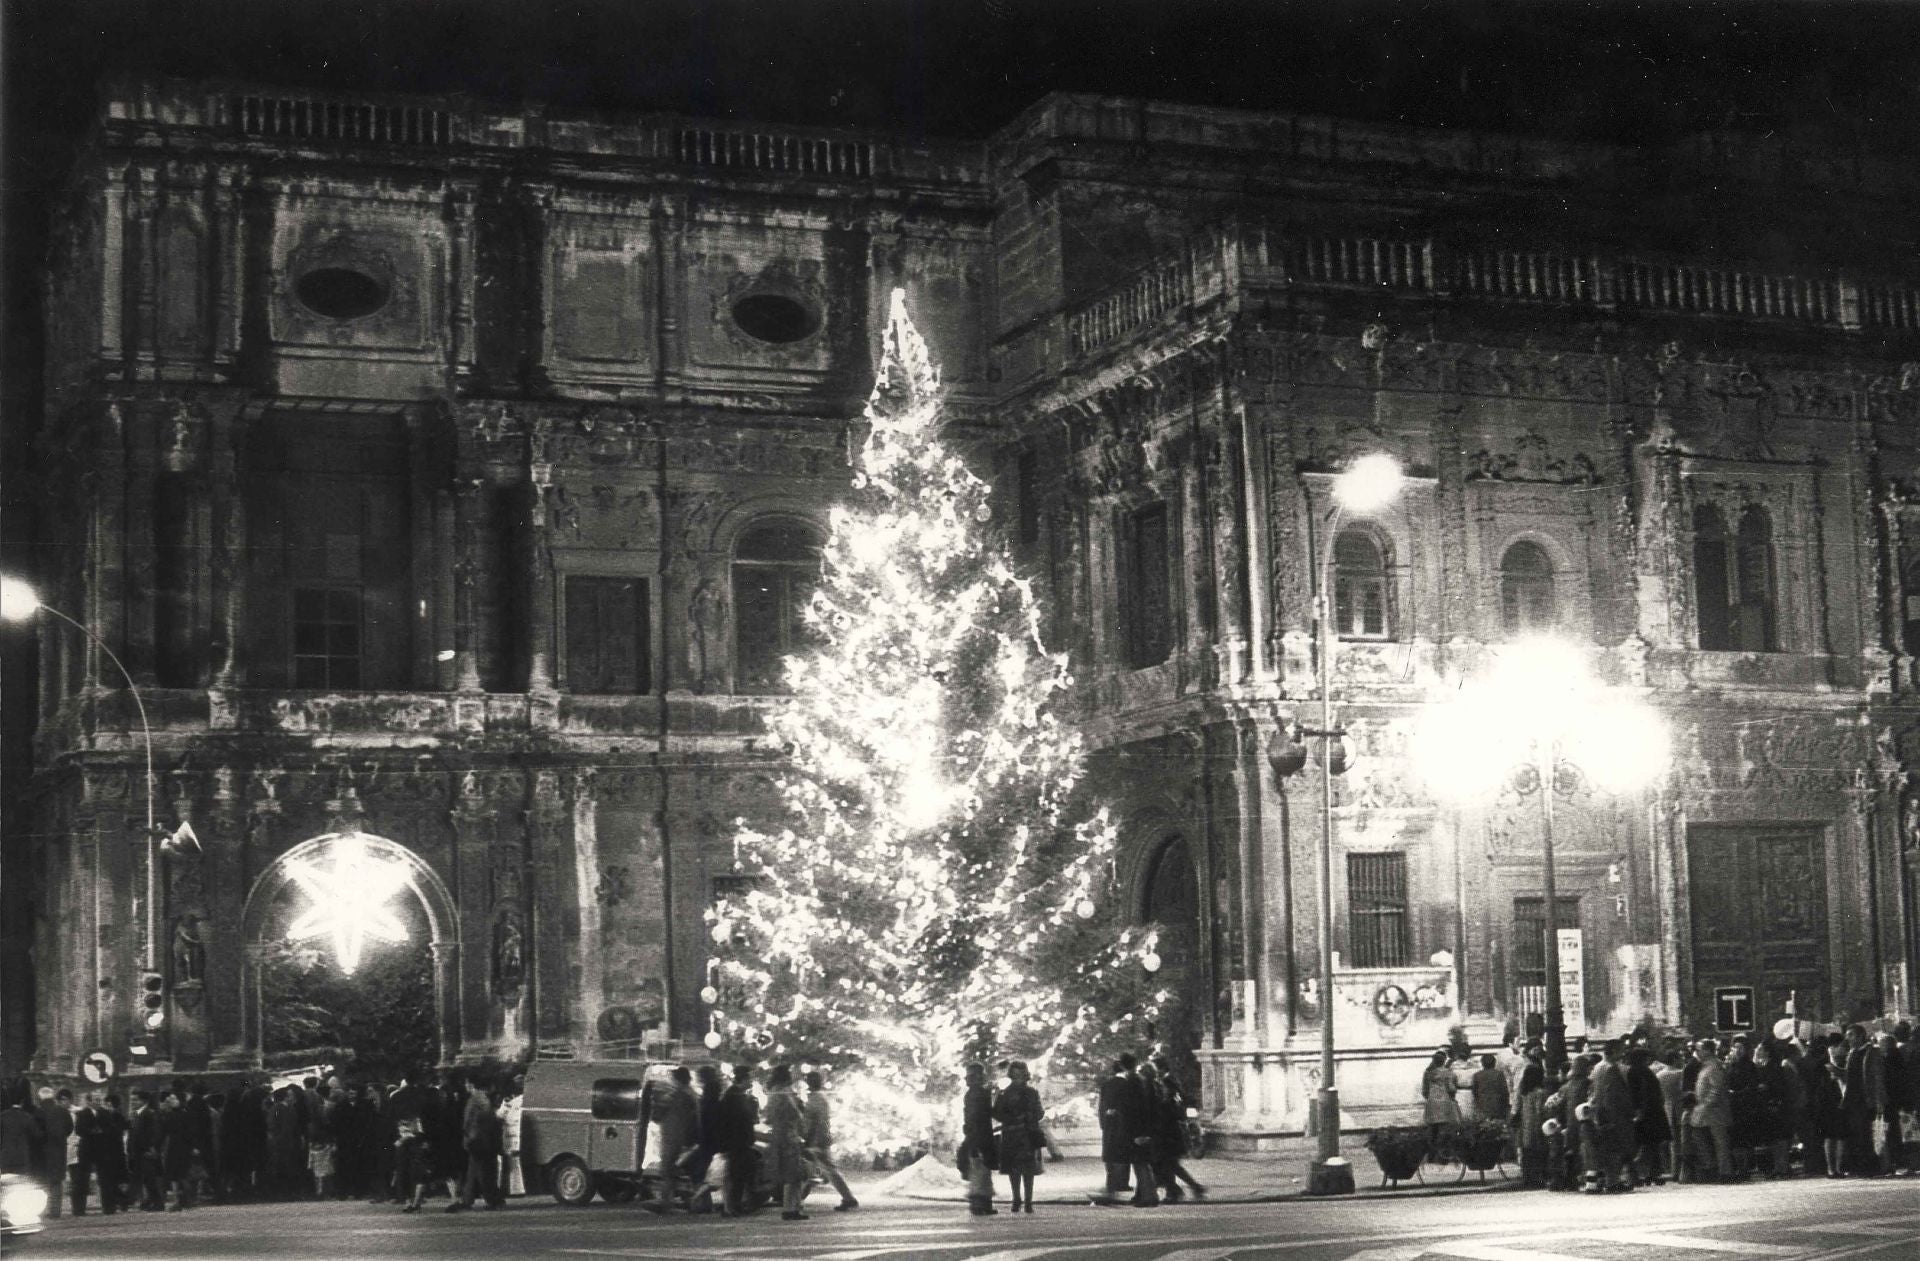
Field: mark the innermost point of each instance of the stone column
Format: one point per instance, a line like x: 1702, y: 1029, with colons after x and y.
x: 227, y: 884
x: 537, y: 202
x: 472, y: 818
x: 467, y: 491
x: 551, y: 899
x: 586, y: 873
x: 460, y: 285
x: 226, y: 239
x: 539, y: 569
x: 229, y: 566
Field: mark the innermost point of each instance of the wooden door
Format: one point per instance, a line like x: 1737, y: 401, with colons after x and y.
x: 1759, y: 902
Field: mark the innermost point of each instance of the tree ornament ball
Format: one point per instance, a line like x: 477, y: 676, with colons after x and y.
x: 1085, y: 908
x: 712, y: 1039
x: 721, y: 933
x: 983, y: 513
x: 1150, y: 961
x: 709, y: 995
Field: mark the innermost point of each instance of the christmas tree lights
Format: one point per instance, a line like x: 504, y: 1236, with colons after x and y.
x: 938, y: 889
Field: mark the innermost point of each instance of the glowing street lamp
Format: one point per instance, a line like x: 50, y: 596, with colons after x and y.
x: 18, y: 603
x: 1539, y: 709
x: 1368, y: 485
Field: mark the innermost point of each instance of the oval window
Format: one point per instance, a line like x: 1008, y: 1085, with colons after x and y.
x: 774, y: 317
x: 340, y: 293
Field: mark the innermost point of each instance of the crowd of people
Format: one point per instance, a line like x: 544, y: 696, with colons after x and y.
x: 1637, y: 1113
x: 1144, y: 1136
x: 172, y: 1149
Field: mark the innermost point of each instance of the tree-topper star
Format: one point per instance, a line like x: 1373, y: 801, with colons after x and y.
x: 350, y: 901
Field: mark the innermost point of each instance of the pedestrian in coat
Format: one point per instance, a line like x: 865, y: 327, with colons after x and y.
x: 978, y: 1153
x: 102, y: 1155
x: 1170, y: 1132
x: 1018, y: 1111
x: 1908, y: 1094
x: 1575, y: 1140
x: 144, y: 1143
x: 1529, y: 1119
x: 480, y: 1139
x: 1126, y: 1135
x: 1612, y: 1114
x: 1866, y: 1100
x: 739, y: 1113
x: 1891, y: 1091
x: 1492, y: 1100
x: 286, y: 1143
x: 1829, y: 1110
x: 786, y: 1143
x: 56, y: 1126
x: 1651, y: 1135
x: 446, y: 1133
x: 513, y: 1179
x: 1775, y: 1088
x: 1743, y: 1102
x: 1711, y: 1120
x: 1437, y: 1086
x: 22, y: 1133
x: 820, y: 1141
x: 178, y: 1156
x: 712, y: 1090
x: 676, y: 1110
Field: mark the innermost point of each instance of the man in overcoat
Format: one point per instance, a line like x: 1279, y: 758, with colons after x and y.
x: 56, y: 1123
x: 1712, y: 1117
x: 1126, y: 1134
x: 739, y: 1114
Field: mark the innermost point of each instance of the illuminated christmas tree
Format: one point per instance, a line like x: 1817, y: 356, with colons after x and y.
x: 937, y: 889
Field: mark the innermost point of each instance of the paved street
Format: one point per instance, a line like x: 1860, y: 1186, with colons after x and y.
x: 1805, y: 1219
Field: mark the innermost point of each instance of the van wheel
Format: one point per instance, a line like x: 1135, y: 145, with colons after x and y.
x: 570, y: 1182
x: 616, y: 1190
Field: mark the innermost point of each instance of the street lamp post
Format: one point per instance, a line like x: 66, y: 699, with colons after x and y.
x: 1369, y: 484
x: 18, y: 603
x: 1539, y: 706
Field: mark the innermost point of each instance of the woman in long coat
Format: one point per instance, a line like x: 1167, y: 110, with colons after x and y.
x: 1829, y: 1108
x: 786, y: 1143
x: 1437, y: 1086
x: 1018, y: 1111
x: 1571, y: 1096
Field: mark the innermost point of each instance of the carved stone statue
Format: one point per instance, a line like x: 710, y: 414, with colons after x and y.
x: 509, y: 956
x: 189, y: 950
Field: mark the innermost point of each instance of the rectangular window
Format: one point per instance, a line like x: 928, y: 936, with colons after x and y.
x: 1377, y: 910
x: 1027, y: 481
x: 326, y: 637
x: 616, y: 1099
x: 1530, y: 954
x: 607, y: 635
x: 1148, y: 594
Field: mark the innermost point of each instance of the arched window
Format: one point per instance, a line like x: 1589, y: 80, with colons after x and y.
x: 775, y: 569
x: 1734, y: 581
x: 1526, y: 589
x: 1359, y: 587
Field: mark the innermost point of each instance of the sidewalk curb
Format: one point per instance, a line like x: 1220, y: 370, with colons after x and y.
x: 1414, y: 1192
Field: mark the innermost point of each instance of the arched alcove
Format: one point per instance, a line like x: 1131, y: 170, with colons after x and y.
x: 1169, y: 895
x: 406, y: 873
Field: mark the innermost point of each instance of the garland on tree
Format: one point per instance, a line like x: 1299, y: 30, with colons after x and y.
x: 934, y: 894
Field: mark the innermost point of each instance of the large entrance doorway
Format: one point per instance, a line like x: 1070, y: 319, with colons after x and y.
x: 1759, y: 903
x: 1170, y: 899
x: 350, y: 959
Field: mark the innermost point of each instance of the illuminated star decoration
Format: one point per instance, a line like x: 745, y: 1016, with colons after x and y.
x: 349, y: 903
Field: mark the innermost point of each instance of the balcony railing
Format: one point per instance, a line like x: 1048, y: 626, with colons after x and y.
x: 1430, y: 266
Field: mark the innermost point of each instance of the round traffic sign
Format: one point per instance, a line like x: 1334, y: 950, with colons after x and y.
x: 97, y: 1067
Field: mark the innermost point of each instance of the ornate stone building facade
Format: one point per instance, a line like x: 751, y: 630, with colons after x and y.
x: 448, y: 476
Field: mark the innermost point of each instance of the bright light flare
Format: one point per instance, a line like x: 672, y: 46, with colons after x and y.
x: 1539, y: 692
x: 1369, y: 484
x: 18, y: 600
x: 349, y: 903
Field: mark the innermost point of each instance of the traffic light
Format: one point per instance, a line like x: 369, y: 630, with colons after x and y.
x: 153, y: 1000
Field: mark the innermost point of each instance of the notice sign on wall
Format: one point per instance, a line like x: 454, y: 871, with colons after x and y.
x: 1733, y: 1007
x: 1573, y: 980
